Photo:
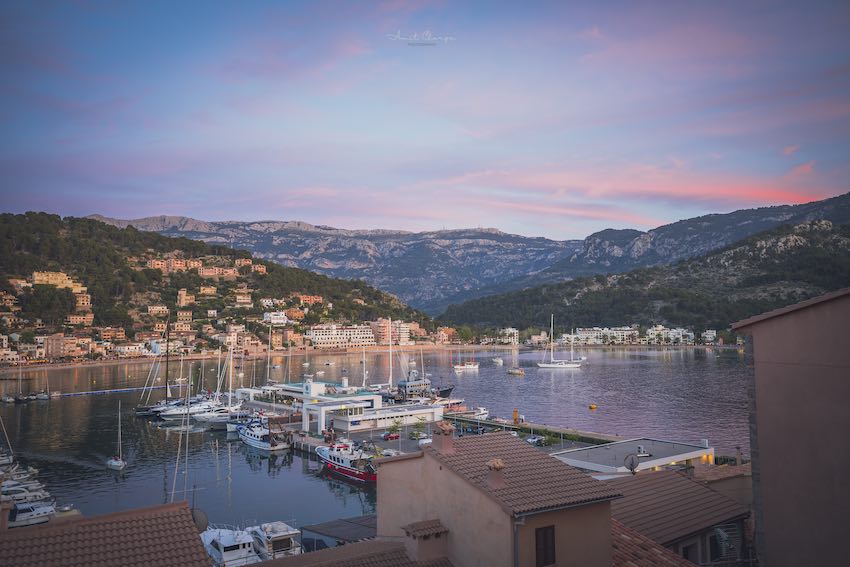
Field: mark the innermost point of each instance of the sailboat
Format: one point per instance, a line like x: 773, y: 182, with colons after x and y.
x: 117, y: 463
x: 572, y: 362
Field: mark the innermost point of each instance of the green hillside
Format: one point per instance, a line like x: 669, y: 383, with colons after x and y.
x: 96, y: 254
x: 763, y: 272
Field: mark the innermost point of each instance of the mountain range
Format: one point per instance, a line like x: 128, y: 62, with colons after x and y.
x: 759, y: 273
x: 432, y: 270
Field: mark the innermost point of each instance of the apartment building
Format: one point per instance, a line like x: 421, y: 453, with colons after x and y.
x: 157, y: 310
x: 509, y: 336
x: 659, y: 334
x: 58, y: 279
x: 184, y: 316
x: 243, y: 262
x: 184, y: 298
x: 208, y: 290
x: 258, y: 269
x: 80, y: 319
x: 386, y: 331
x: 275, y: 318
x: 709, y: 336
x: 626, y: 335
x: 83, y: 301
x: 157, y: 264
x: 112, y: 334
x: 340, y: 336
x: 305, y: 299
x: 295, y: 314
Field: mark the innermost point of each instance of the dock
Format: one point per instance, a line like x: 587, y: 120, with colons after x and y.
x: 563, y: 433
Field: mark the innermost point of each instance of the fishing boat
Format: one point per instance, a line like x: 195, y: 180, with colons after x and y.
x: 553, y: 362
x: 229, y: 546
x: 466, y: 365
x: 30, y: 514
x: 342, y: 459
x: 257, y: 434
x: 275, y: 539
x: 117, y: 463
x: 516, y: 371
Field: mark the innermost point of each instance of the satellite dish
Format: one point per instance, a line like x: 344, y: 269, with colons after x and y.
x: 200, y: 518
x: 631, y: 462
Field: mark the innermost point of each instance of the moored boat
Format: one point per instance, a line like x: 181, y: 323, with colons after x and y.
x: 342, y: 459
x: 229, y: 546
x: 275, y: 539
x: 257, y: 434
x: 30, y: 514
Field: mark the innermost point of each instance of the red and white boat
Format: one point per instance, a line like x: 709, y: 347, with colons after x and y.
x: 340, y: 458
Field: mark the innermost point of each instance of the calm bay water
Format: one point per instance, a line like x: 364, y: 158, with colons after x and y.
x: 677, y: 394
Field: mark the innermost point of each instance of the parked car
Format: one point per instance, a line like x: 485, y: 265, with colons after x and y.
x: 534, y: 440
x: 387, y: 436
x: 426, y: 441
x: 420, y: 435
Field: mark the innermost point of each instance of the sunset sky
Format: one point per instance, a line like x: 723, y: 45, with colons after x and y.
x: 555, y: 121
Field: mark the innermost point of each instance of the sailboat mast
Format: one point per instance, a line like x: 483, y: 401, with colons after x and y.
x: 552, y: 339
x: 167, y: 352
x: 119, y: 431
x: 269, y: 352
x: 390, y: 339
x: 363, y: 364
x: 230, y: 374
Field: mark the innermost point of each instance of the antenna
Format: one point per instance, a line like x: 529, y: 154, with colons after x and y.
x: 631, y: 462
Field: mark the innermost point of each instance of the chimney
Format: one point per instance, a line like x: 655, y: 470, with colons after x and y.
x: 738, y: 458
x: 444, y: 438
x: 5, y: 507
x: 495, y: 476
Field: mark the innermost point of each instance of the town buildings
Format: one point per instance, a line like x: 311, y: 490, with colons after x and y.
x: 386, y: 331
x: 509, y: 336
x: 799, y: 426
x: 340, y: 336
x: 184, y: 298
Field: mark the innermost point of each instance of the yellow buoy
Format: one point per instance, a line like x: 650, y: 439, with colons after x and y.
x: 592, y: 406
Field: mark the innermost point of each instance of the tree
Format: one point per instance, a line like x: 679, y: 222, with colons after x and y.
x: 48, y: 303
x: 465, y: 333
x: 419, y: 426
x: 395, y: 426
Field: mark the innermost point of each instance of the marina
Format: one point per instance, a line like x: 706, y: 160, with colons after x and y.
x: 70, y: 438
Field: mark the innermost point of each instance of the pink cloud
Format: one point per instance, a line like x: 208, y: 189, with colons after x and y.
x: 802, y: 169
x: 790, y: 150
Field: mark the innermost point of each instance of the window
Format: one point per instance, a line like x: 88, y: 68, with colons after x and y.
x: 545, y: 546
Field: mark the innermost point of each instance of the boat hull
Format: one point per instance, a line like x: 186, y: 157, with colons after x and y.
x: 559, y: 364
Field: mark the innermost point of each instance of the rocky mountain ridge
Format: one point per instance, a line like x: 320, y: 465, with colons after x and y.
x: 431, y: 270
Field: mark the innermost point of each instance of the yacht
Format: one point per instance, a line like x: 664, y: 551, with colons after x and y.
x: 229, y: 546
x: 7, y: 399
x: 42, y: 395
x: 117, y: 463
x: 498, y: 361
x: 221, y: 416
x: 553, y: 362
x: 257, y: 434
x: 342, y: 459
x: 275, y: 539
x: 192, y: 410
x: 29, y: 514
x: 19, y: 494
x: 468, y: 365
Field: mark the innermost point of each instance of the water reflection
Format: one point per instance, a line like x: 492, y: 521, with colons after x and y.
x: 681, y: 394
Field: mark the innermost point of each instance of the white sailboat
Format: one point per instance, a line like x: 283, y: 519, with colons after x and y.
x: 117, y: 463
x: 553, y: 362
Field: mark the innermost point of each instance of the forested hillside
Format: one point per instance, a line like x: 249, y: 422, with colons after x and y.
x: 763, y: 272
x: 99, y: 256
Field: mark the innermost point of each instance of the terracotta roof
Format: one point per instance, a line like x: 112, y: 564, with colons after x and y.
x: 633, y: 549
x: 425, y: 528
x: 347, y: 529
x: 374, y: 553
x: 158, y: 535
x: 791, y: 308
x: 713, y: 473
x: 667, y: 506
x: 533, y: 481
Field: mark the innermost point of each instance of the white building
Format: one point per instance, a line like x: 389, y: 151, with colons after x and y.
x: 275, y: 318
x: 659, y: 334
x: 385, y: 331
x: 340, y: 336
x: 604, y: 335
x: 709, y: 336
x: 130, y: 349
x: 509, y: 336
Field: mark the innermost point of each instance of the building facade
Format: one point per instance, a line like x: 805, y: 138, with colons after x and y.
x: 340, y: 336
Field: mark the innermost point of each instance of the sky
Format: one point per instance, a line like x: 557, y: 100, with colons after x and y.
x: 545, y: 119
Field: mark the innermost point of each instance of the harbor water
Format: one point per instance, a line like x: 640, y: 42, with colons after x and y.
x: 676, y: 394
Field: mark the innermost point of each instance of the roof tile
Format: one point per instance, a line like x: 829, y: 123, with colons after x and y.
x: 533, y: 481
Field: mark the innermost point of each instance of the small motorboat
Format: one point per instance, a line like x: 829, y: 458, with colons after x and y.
x: 275, y: 539
x: 229, y: 546
x: 516, y: 371
x: 7, y: 399
x: 30, y: 514
x: 498, y: 361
